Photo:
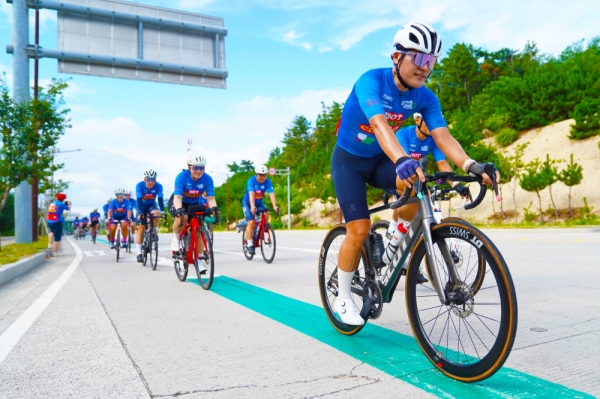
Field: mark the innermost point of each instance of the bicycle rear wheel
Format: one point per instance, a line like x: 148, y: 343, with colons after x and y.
x: 205, y: 277
x: 471, y: 336
x: 145, y: 248
x: 328, y: 282
x: 153, y: 249
x: 267, y: 244
x: 180, y: 259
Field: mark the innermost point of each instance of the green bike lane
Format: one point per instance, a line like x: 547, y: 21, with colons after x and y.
x: 393, y: 353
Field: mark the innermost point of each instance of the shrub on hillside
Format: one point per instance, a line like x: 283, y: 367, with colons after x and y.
x: 587, y: 119
x: 506, y: 136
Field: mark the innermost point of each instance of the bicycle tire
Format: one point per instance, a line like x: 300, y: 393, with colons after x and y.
x: 267, y: 243
x: 487, y: 317
x: 248, y: 255
x: 328, y: 277
x: 118, y: 242
x: 145, y: 249
x: 205, y: 278
x: 180, y: 261
x: 153, y: 247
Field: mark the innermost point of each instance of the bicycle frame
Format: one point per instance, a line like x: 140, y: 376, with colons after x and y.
x: 193, y: 224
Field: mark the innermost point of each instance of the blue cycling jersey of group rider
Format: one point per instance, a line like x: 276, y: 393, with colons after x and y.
x: 417, y: 148
x: 85, y: 220
x: 259, y: 190
x: 119, y: 209
x: 76, y: 223
x: 146, y: 197
x: 105, y: 209
x: 376, y: 93
x: 191, y: 190
x: 95, y: 216
x: 133, y: 204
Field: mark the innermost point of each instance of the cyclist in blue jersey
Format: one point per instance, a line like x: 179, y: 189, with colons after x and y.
x: 368, y: 152
x: 55, y: 220
x: 417, y: 142
x: 147, y: 193
x: 84, y: 224
x: 106, y: 221
x: 119, y: 210
x: 94, y: 221
x: 133, y: 204
x: 76, y: 226
x: 190, y: 185
x: 257, y: 186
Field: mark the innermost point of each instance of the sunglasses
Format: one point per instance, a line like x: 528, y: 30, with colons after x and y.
x: 149, y: 180
x: 197, y: 168
x: 421, y: 59
x: 119, y: 195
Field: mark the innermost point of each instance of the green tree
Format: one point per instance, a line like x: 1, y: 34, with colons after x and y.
x: 550, y: 172
x: 297, y: 141
x: 534, y: 181
x: 29, y: 133
x: 587, y: 119
x: 510, y: 166
x: 571, y: 176
x: 246, y: 166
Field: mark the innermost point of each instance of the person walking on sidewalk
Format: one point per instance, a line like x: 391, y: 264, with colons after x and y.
x: 56, y: 219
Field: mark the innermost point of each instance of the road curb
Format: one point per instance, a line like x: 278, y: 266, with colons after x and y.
x: 13, y: 270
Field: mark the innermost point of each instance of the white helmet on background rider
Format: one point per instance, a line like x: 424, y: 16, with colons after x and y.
x: 418, y: 36
x: 150, y: 173
x: 196, y: 159
x: 120, y: 191
x: 261, y: 170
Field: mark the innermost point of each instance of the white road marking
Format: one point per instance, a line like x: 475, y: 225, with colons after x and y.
x: 301, y: 249
x: 227, y: 252
x: 13, y: 334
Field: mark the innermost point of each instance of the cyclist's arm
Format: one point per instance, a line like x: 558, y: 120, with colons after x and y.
x: 177, y: 201
x: 273, y: 200
x: 110, y: 212
x: 251, y: 200
x: 211, y: 202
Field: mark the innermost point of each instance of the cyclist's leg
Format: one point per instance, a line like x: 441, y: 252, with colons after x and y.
x: 124, y: 231
x: 249, y: 226
x: 112, y: 231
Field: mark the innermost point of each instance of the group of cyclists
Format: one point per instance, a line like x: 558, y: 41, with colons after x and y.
x: 372, y: 147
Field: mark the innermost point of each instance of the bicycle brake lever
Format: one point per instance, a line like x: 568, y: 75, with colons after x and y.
x: 490, y: 170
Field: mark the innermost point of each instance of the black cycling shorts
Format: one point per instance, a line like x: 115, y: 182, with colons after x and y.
x: 351, y: 174
x: 195, y: 207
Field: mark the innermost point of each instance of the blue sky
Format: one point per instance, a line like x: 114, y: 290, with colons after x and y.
x: 284, y: 58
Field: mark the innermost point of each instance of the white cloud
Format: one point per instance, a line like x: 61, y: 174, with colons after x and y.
x: 291, y: 37
x: 115, y: 152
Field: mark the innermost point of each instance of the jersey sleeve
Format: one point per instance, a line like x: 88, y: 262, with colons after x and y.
x: 138, y: 190
x: 269, y: 185
x: 432, y: 112
x: 159, y: 189
x: 367, y: 90
x: 178, y: 190
x: 402, y: 136
x: 250, y: 185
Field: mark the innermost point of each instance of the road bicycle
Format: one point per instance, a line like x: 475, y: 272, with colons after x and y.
x: 263, y: 236
x: 150, y: 243
x: 188, y: 253
x: 465, y: 318
x: 94, y: 233
x: 118, y: 238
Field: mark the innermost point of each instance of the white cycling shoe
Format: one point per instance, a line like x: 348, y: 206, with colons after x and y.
x: 348, y: 312
x: 174, y: 245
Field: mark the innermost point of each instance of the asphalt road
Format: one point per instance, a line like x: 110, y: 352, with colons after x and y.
x: 88, y: 327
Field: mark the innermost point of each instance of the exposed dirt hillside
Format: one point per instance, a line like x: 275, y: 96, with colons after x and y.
x: 553, y: 140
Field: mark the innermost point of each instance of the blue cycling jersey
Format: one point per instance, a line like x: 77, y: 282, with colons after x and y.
x: 416, y: 148
x: 119, y: 208
x: 259, y: 190
x: 146, y: 197
x: 376, y: 93
x: 105, y: 208
x: 55, y: 211
x: 76, y: 223
x: 133, y: 204
x: 85, y: 220
x: 95, y: 216
x: 191, y: 190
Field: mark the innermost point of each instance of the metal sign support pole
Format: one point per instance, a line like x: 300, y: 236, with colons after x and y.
x: 289, y: 208
x: 23, y: 223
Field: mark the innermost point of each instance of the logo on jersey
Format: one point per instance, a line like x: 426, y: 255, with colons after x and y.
x: 415, y: 155
x: 192, y: 194
x: 424, y: 148
x: 395, y: 120
x: 408, y: 104
x: 369, y: 102
x: 389, y: 98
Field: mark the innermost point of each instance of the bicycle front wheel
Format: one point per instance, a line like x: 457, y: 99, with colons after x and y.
x: 180, y: 259
x: 328, y: 280
x: 247, y: 254
x: 267, y: 244
x: 153, y: 249
x: 469, y: 337
x: 205, y: 263
x: 118, y: 242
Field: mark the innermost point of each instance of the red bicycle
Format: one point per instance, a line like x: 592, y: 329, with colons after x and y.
x: 194, y: 231
x: 264, y: 235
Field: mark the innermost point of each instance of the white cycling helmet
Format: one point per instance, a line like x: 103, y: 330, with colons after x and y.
x: 109, y: 199
x: 150, y: 173
x: 418, y: 36
x: 127, y: 192
x: 196, y: 159
x: 261, y: 169
x: 417, y: 115
x: 120, y: 191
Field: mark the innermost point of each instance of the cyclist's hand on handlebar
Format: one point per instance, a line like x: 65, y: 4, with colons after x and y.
x: 406, y: 168
x: 463, y: 191
x: 215, y: 211
x: 253, y: 210
x: 277, y: 209
x: 179, y: 212
x: 477, y: 169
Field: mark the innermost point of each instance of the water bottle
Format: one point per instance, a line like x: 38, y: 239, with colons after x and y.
x: 377, y: 250
x: 394, y: 243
